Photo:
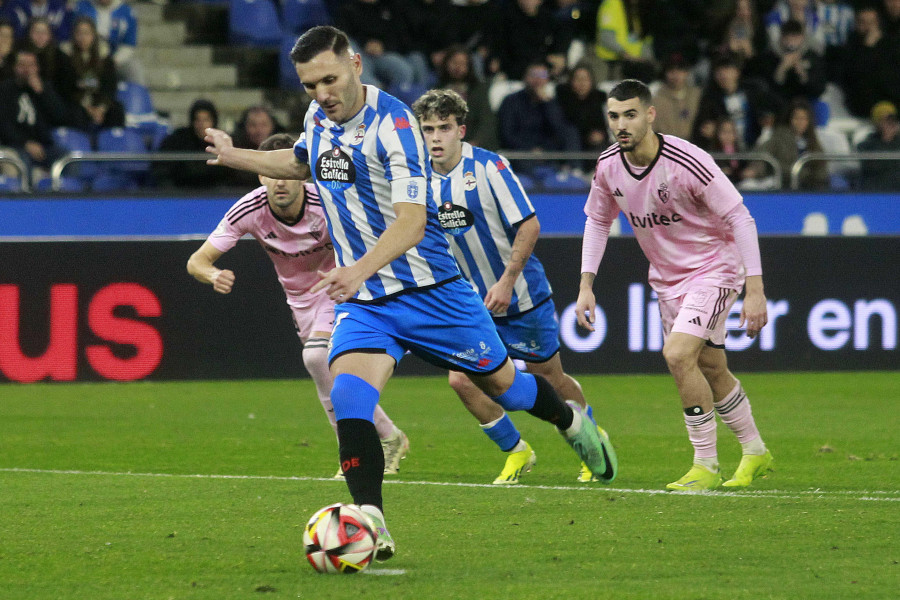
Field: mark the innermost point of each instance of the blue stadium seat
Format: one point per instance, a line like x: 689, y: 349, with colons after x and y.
x: 138, y: 105
x: 299, y: 15
x: 72, y: 140
x: 67, y: 184
x: 564, y: 182
x: 254, y: 23
x: 10, y: 184
x: 287, y: 75
x: 122, y: 139
x: 75, y: 140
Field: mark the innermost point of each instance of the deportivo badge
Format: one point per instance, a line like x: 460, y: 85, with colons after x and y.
x: 469, y: 181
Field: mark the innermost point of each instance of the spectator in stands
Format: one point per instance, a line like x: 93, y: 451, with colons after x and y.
x: 793, y: 138
x: 55, y: 65
x: 378, y: 32
x: 836, y: 22
x: 195, y: 174
x: 622, y: 43
x: 255, y: 124
x: 744, y: 34
x: 478, y: 28
x: 882, y: 175
x: 728, y: 142
x: 528, y: 35
x: 747, y: 103
x: 575, y: 20
x: 890, y: 14
x: 118, y: 27
x: 794, y: 70
x: 676, y: 100
x: 532, y: 121
x: 29, y: 110
x: 585, y: 107
x: 703, y: 134
x: 457, y: 73
x: 676, y: 26
x: 870, y: 62
x: 94, y: 92
x: 7, y: 42
x: 55, y: 12
x: 802, y: 11
x: 432, y: 28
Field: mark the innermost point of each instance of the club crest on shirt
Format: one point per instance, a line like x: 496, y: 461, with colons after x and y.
x: 412, y: 190
x: 335, y: 170
x: 469, y: 181
x: 663, y: 192
x: 455, y: 219
x: 359, y: 134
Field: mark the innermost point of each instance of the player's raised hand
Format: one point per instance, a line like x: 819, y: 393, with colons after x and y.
x: 341, y: 283
x: 219, y: 140
x: 585, y: 308
x: 223, y: 281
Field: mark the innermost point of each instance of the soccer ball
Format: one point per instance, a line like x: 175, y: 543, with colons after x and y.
x: 339, y: 538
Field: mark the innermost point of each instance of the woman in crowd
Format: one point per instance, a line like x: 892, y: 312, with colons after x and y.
x: 94, y: 92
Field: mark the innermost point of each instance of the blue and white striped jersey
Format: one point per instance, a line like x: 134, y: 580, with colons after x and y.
x: 361, y: 168
x: 480, y: 204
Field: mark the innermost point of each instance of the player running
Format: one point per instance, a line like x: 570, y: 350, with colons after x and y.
x: 702, y: 245
x: 286, y: 218
x: 397, y: 284
x: 492, y: 229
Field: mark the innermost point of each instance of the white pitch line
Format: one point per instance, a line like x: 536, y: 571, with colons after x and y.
x: 866, y: 495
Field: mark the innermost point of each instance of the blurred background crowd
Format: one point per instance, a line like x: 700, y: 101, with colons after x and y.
x: 782, y: 77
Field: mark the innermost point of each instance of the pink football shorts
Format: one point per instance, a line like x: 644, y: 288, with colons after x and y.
x: 700, y: 312
x: 316, y: 315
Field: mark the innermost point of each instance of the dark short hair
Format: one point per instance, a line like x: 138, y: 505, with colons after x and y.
x: 792, y: 27
x: 278, y: 141
x: 442, y: 104
x: 317, y: 40
x: 631, y: 88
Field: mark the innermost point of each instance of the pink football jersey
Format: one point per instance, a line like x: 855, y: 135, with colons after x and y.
x: 297, y: 250
x: 676, y: 207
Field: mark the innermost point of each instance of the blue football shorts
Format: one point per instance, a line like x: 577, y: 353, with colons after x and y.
x: 532, y: 336
x: 447, y: 326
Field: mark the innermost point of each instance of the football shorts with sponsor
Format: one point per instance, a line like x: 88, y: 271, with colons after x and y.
x: 316, y: 314
x: 532, y: 336
x: 447, y: 326
x: 700, y: 312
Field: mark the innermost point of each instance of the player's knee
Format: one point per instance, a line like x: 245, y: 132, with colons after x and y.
x: 461, y: 384
x: 315, y: 355
x: 678, y: 357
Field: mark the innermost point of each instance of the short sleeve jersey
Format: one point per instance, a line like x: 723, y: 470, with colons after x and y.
x: 480, y: 204
x: 297, y: 250
x: 362, y: 168
x: 676, y: 206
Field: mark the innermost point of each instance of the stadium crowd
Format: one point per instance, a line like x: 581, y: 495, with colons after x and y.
x: 785, y: 77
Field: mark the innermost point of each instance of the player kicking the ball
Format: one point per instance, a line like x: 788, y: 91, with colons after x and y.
x: 702, y: 245
x: 286, y: 217
x: 397, y: 285
x: 492, y: 229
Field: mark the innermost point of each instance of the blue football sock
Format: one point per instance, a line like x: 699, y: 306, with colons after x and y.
x: 503, y: 433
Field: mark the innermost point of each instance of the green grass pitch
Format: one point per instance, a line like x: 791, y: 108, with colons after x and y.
x: 201, y: 491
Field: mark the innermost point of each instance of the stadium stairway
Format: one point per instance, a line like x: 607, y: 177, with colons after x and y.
x: 185, y: 53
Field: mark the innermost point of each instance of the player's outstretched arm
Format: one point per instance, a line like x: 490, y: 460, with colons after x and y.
x: 277, y: 164
x: 406, y: 231
x: 201, y: 265
x: 586, y: 303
